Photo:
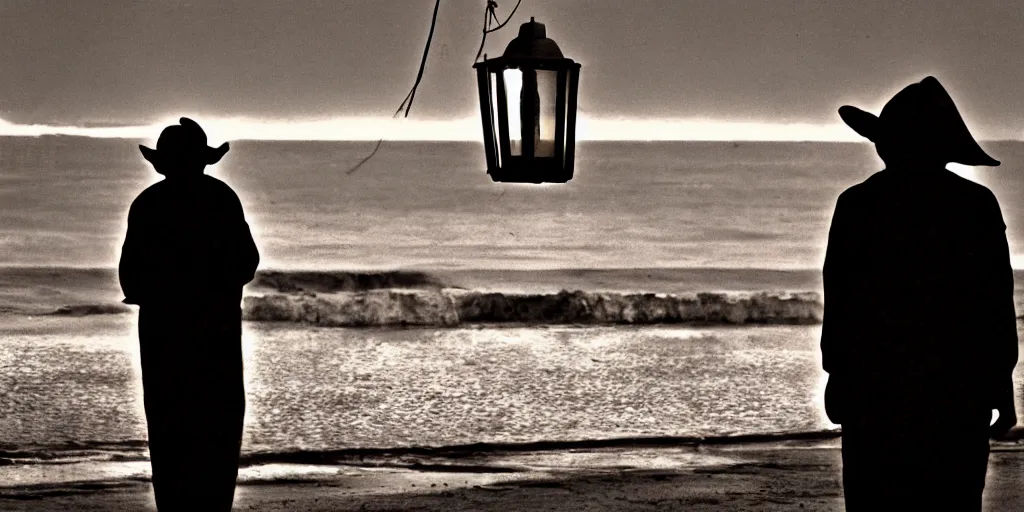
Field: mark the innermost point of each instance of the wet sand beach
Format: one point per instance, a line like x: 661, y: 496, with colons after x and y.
x: 772, y: 476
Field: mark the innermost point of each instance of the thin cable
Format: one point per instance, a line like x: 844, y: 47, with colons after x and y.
x: 363, y: 161
x: 423, y: 62
x: 489, y: 14
x: 509, y: 16
x: 407, y: 102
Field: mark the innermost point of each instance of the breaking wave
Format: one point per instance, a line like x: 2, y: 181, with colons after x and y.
x: 91, y: 309
x: 415, y: 298
x: 342, y: 281
x: 456, y: 307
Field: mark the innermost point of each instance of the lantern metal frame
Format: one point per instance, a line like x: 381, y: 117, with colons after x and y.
x: 530, y: 51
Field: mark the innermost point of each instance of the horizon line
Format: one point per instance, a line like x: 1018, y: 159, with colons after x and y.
x: 477, y: 141
x: 469, y: 129
x: 112, y: 267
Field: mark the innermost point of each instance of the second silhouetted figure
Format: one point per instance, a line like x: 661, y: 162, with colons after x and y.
x: 919, y: 336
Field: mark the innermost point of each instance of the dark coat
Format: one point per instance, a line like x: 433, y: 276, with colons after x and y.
x: 918, y: 296
x: 919, y: 335
x: 186, y: 256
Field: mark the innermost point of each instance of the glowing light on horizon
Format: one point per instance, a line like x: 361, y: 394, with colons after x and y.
x: 36, y: 130
x: 465, y: 129
x: 709, y: 130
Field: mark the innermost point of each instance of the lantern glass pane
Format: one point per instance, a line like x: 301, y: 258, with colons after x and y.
x: 547, y: 92
x: 536, y: 127
x: 495, y: 105
x: 565, y: 112
x: 513, y: 94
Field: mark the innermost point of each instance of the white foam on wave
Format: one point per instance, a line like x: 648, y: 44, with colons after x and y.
x: 456, y: 307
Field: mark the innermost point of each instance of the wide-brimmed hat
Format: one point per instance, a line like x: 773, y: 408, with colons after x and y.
x: 922, y: 114
x: 183, y: 143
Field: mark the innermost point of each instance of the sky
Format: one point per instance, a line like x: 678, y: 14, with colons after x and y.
x: 651, y: 68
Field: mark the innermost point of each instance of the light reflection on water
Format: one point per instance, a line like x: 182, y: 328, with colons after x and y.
x: 336, y: 388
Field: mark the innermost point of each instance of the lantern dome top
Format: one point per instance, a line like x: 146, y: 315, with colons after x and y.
x: 532, y: 42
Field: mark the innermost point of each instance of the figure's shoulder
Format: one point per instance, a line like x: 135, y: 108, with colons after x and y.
x: 969, y: 189
x: 966, y: 195
x: 214, y: 183
x: 150, y: 195
x: 860, y: 191
x: 154, y: 189
x: 220, y: 192
x: 217, y: 186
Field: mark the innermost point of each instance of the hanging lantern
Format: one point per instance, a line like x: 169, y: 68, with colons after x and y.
x: 528, y: 109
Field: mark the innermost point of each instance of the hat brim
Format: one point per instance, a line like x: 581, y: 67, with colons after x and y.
x: 968, y: 152
x: 974, y: 155
x: 208, y: 156
x: 960, y: 146
x: 869, y: 126
x: 864, y: 123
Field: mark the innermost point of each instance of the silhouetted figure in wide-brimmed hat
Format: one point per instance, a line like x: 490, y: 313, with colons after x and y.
x: 919, y: 336
x: 186, y: 256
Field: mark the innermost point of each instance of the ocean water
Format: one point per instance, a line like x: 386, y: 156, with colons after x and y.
x: 63, y: 202
x: 70, y: 388
x: 669, y: 289
x: 334, y: 388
